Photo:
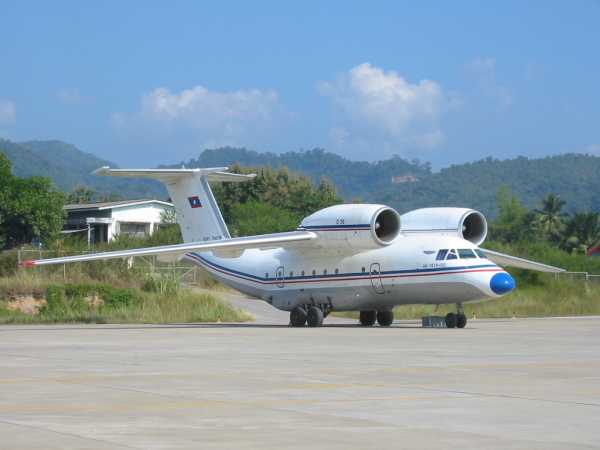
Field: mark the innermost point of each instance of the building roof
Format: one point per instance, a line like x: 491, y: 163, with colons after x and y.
x: 113, y: 205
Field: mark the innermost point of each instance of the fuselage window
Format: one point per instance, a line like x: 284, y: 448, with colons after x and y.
x: 363, y: 269
x: 480, y: 253
x: 451, y: 254
x: 314, y: 272
x: 267, y: 275
x: 441, y: 255
x: 303, y: 273
x: 466, y: 253
x: 325, y: 272
x: 291, y: 274
x: 337, y: 271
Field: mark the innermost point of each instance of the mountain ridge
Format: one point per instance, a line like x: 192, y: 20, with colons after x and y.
x: 397, y: 182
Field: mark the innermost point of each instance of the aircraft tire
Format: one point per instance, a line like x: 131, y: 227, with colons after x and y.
x: 298, y: 317
x: 451, y: 320
x: 385, y: 318
x: 314, y: 317
x: 367, y: 318
x: 461, y: 321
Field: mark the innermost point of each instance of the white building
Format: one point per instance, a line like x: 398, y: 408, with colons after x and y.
x: 104, y: 221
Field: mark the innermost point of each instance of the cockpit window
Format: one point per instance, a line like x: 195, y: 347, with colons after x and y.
x: 441, y: 255
x: 480, y: 253
x: 466, y: 253
x: 451, y: 254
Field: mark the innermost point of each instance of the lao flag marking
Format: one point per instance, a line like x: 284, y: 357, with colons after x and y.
x: 195, y: 202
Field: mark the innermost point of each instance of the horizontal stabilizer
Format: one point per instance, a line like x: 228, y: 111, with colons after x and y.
x: 512, y: 261
x: 166, y: 175
x: 265, y: 241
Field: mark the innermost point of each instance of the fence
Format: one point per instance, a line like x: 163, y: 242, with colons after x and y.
x: 183, y: 270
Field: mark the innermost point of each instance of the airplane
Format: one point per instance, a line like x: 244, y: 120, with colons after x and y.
x: 348, y: 257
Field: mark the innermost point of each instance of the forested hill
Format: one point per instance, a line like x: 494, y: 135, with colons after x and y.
x: 70, y: 167
x: 400, y: 183
x: 353, y: 179
x: 574, y: 177
x: 407, y: 185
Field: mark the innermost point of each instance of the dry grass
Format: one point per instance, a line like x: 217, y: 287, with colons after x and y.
x: 123, y: 302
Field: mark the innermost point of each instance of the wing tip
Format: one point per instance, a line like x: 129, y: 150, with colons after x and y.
x: 104, y: 170
x: 28, y: 263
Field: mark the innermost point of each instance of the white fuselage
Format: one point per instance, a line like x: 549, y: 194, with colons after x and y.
x: 404, y: 272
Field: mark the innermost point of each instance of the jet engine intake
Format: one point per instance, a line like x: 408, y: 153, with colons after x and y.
x: 359, y: 226
x: 467, y: 223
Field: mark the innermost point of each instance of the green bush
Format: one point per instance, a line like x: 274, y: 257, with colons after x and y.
x: 8, y: 263
x: 162, y: 284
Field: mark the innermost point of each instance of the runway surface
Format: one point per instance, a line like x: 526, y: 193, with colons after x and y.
x: 514, y: 384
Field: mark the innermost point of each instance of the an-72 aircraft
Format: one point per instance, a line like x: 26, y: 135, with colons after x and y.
x: 354, y: 257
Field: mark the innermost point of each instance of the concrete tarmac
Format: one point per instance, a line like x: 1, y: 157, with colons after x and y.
x: 501, y: 384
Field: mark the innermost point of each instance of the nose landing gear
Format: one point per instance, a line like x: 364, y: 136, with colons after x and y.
x: 458, y: 319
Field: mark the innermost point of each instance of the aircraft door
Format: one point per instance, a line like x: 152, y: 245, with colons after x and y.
x: 280, y: 276
x: 376, y: 281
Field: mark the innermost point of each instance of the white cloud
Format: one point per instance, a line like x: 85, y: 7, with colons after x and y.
x: 69, y: 95
x: 8, y: 112
x: 386, y: 109
x: 212, y: 118
x: 484, y: 70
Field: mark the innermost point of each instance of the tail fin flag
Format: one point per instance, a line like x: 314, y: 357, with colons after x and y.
x: 197, y: 211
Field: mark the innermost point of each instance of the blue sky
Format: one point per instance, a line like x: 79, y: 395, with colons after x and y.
x: 144, y: 83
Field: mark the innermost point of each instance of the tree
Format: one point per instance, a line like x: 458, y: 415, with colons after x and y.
x: 81, y: 194
x: 254, y: 217
x: 582, y: 232
x: 513, y: 221
x: 549, y: 220
x: 29, y: 208
x: 282, y: 189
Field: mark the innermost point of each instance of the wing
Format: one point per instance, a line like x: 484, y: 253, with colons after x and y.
x: 512, y: 261
x: 265, y: 241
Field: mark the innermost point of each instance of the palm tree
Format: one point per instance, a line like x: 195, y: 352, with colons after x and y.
x: 583, y: 232
x: 550, y: 218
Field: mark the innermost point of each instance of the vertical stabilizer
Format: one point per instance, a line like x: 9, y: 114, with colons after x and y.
x: 197, y: 211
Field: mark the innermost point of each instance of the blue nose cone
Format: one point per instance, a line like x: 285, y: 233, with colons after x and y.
x: 502, y: 283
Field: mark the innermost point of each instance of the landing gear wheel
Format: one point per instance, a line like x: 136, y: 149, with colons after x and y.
x: 367, y: 318
x: 298, y: 317
x: 385, y: 318
x: 314, y: 317
x: 451, y: 320
x: 461, y: 320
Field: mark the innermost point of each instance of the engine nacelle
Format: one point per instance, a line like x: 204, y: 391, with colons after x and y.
x: 360, y: 226
x: 467, y: 223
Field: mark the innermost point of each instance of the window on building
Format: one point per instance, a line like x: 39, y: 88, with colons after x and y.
x: 134, y: 229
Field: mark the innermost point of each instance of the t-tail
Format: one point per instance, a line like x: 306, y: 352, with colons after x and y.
x: 197, y: 211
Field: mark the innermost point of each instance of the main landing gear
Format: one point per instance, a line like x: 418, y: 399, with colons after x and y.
x: 311, y: 315
x: 458, y: 319
x: 384, y: 318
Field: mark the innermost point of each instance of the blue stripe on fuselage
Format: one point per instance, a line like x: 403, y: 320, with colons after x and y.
x: 206, y: 261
